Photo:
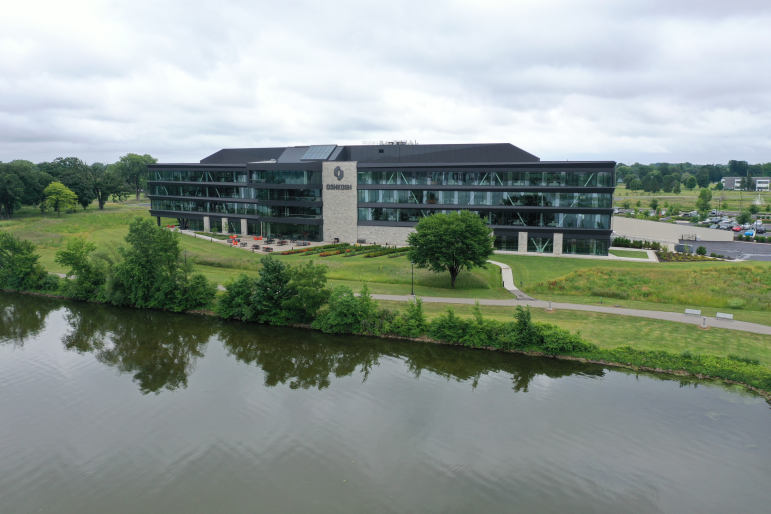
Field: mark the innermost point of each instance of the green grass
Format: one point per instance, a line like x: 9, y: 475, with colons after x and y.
x: 735, y: 287
x: 220, y: 262
x: 632, y: 254
x: 731, y: 200
x: 611, y: 331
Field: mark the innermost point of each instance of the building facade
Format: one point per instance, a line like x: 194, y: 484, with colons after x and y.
x: 378, y: 193
x: 758, y: 183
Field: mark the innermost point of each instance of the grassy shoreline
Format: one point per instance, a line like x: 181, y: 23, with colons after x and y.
x: 220, y: 263
x: 753, y: 377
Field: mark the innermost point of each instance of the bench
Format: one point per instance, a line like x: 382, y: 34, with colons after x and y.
x: 267, y: 249
x: 723, y: 315
x: 303, y: 243
x: 243, y: 245
x: 692, y: 312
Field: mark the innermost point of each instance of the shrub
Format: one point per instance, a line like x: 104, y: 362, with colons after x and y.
x: 89, y: 277
x: 447, y: 327
x: 236, y: 301
x: 713, y: 254
x: 735, y: 303
x: 346, y: 313
x: 701, y: 250
x: 746, y: 360
x: 412, y: 322
x: 555, y: 340
x: 19, y: 266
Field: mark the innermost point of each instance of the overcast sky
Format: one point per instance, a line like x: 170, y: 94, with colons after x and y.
x: 647, y: 81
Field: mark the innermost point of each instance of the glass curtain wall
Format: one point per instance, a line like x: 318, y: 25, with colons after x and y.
x: 292, y: 231
x: 201, y: 191
x: 489, y: 178
x: 203, y: 206
x: 198, y: 175
x: 597, y: 200
x: 585, y: 246
x: 507, y: 218
x: 507, y: 243
x: 294, y: 195
x: 285, y: 177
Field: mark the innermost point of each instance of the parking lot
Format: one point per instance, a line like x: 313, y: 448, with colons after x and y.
x: 735, y: 249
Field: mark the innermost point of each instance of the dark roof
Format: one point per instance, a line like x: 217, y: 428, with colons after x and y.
x: 243, y: 155
x: 496, y: 152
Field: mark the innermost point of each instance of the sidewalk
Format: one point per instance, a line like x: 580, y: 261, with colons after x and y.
x: 540, y: 304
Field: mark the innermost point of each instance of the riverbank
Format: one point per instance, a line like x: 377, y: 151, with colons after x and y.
x: 733, y: 370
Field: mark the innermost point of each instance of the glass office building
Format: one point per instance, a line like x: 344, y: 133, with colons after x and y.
x: 377, y: 193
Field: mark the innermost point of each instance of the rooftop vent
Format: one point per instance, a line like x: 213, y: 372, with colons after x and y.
x: 385, y: 143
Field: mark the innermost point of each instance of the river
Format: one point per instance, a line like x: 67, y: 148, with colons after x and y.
x: 123, y: 411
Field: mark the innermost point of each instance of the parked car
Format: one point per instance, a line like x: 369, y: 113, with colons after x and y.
x: 758, y: 223
x: 714, y: 225
x: 724, y: 226
x: 750, y: 233
x: 746, y: 226
x: 760, y: 230
x: 737, y: 228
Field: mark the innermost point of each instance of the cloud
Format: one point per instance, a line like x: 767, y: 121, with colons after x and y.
x: 649, y: 81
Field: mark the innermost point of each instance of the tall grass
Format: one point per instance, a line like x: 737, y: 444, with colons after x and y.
x: 736, y: 287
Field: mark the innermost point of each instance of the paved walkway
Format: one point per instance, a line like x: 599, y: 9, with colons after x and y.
x: 664, y: 316
x: 610, y: 257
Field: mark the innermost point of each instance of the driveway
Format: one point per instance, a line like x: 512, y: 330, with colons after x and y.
x: 737, y: 249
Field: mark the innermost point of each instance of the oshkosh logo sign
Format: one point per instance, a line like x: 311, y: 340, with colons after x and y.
x: 339, y: 173
x: 340, y: 186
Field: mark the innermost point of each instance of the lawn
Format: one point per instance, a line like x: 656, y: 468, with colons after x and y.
x: 729, y: 200
x: 703, y: 281
x: 708, y: 286
x: 220, y: 262
x: 611, y: 331
x: 630, y: 254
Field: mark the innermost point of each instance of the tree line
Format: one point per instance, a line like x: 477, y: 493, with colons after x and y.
x: 66, y: 182
x: 672, y: 178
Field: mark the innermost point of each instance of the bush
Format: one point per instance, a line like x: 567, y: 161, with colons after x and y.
x: 735, y: 303
x: 236, y: 301
x: 19, y: 266
x: 701, y: 250
x: 347, y: 313
x: 412, y: 322
x: 713, y: 254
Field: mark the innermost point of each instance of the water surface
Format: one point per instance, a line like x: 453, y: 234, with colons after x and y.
x: 125, y: 411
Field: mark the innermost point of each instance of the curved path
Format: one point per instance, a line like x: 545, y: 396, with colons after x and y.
x: 524, y: 300
x: 662, y: 315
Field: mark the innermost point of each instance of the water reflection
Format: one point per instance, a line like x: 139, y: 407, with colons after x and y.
x: 23, y: 317
x: 161, y: 349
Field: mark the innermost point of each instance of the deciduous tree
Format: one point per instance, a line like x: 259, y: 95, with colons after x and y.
x: 59, y: 197
x: 11, y: 194
x: 450, y: 242
x: 133, y: 168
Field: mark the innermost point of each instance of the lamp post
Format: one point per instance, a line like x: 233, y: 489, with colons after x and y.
x: 412, y: 263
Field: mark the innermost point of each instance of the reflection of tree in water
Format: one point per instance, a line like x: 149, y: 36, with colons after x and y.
x: 468, y: 365
x: 301, y: 358
x: 159, y: 349
x: 22, y: 317
x: 309, y: 359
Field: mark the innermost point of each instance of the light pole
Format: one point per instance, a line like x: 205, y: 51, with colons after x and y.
x: 412, y: 263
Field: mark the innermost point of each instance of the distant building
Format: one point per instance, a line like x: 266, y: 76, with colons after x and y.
x: 761, y: 183
x: 378, y: 192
